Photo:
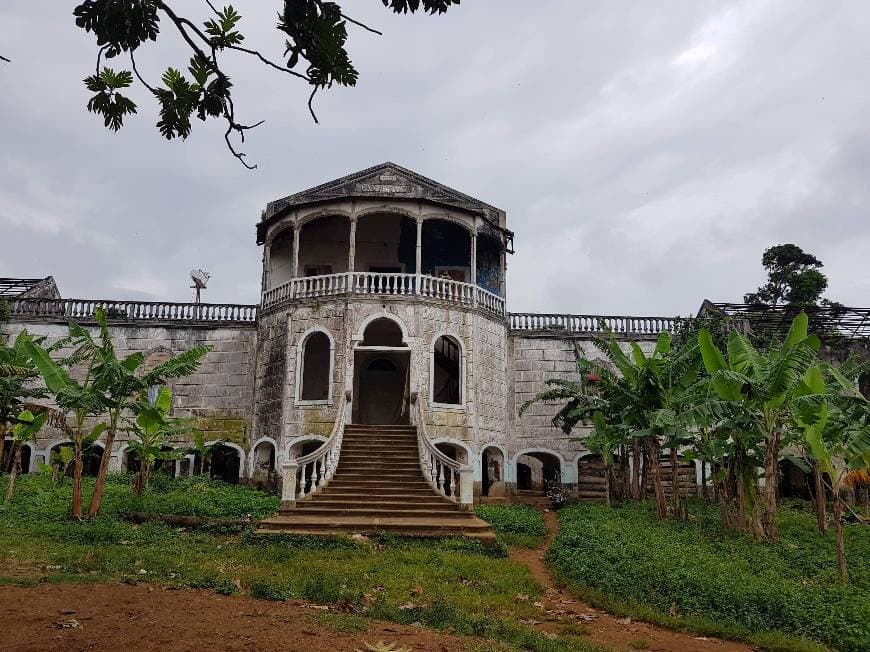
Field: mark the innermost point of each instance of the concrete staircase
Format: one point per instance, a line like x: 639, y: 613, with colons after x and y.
x: 378, y: 486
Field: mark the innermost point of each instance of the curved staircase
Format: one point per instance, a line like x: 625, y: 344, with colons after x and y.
x: 378, y: 486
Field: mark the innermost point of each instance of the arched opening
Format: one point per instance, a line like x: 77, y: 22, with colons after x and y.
x: 91, y: 457
x: 794, y: 482
x: 382, y: 331
x: 386, y: 244
x: 130, y: 461
x: 316, y: 366
x: 323, y: 246
x: 537, y: 470
x: 492, y: 472
x: 9, y: 457
x: 446, y: 250
x: 489, y: 264
x: 225, y: 464
x: 263, y: 462
x: 280, y: 268
x: 165, y: 466
x: 447, y: 371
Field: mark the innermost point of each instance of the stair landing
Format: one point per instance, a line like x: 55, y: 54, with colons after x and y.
x: 378, y: 487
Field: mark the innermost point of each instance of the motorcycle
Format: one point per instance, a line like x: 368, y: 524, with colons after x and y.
x: 555, y: 495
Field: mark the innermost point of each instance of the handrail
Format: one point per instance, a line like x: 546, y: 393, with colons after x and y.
x: 316, y: 469
x: 84, y: 310
x: 446, y: 476
x: 400, y: 284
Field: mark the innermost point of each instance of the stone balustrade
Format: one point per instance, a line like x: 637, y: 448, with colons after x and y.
x: 84, y: 311
x: 385, y: 284
x: 592, y: 324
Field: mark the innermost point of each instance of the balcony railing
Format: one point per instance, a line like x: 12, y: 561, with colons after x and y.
x: 592, y: 324
x: 84, y: 310
x: 381, y: 284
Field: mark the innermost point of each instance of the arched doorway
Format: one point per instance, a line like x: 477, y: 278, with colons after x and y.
x: 225, y: 464
x: 492, y: 472
x: 794, y: 482
x: 536, y: 470
x: 382, y: 375
x: 9, y: 456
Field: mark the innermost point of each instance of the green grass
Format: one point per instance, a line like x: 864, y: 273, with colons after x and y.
x: 449, y: 584
x: 515, y: 525
x: 696, y: 576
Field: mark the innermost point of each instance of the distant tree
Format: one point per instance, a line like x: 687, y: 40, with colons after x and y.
x: 314, y: 32
x: 793, y: 278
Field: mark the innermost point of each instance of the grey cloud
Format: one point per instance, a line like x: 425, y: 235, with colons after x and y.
x: 646, y: 153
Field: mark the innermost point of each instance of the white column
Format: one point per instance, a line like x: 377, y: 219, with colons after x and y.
x: 419, y: 252
x: 267, y: 261
x: 351, y: 253
x: 297, y: 236
x: 474, y: 258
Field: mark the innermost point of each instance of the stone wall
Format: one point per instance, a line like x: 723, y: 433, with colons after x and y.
x: 532, y: 360
x: 219, y: 396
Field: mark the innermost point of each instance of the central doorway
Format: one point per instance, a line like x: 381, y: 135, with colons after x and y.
x: 382, y: 387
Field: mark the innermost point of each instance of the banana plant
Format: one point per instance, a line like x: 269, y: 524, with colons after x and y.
x: 759, y: 386
x: 151, y: 428
x: 834, y: 419
x: 25, y: 430
x: 604, y: 440
x: 119, y: 384
x: 82, y: 399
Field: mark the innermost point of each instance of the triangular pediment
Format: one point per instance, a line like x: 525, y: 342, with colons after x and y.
x: 385, y: 181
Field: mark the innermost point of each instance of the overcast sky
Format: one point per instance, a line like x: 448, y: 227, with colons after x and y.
x: 645, y: 152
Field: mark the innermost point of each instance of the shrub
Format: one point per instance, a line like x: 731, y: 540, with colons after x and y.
x: 697, y: 570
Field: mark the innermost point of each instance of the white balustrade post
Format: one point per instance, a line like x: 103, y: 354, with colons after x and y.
x: 288, y: 483
x: 466, y: 487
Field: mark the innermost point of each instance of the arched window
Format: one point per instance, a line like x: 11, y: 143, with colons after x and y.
x: 383, y: 332
x: 447, y: 371
x: 316, y: 365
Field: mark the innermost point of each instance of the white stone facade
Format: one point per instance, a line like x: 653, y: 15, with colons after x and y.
x: 382, y: 244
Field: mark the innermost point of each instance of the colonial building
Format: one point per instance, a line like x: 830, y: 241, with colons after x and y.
x: 382, y: 322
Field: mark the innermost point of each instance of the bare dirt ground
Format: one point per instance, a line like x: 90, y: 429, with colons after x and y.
x: 559, y: 608
x: 112, y: 617
x: 115, y: 617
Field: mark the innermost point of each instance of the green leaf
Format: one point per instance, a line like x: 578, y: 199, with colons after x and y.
x: 797, y: 332
x: 713, y: 359
x: 54, y: 376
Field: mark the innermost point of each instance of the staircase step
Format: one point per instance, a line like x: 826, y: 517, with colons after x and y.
x: 311, y: 509
x: 412, y: 526
x: 389, y: 501
x: 380, y: 492
x: 373, y: 466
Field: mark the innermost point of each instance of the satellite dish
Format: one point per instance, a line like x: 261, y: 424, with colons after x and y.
x: 200, y: 278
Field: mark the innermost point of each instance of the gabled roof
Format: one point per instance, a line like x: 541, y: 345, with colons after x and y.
x: 384, y: 181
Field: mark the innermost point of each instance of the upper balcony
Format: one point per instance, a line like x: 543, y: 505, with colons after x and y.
x: 384, y: 231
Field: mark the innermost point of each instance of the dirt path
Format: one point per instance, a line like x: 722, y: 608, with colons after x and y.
x: 112, y: 617
x: 559, y: 609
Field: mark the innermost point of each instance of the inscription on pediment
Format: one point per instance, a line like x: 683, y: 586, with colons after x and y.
x: 386, y: 184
